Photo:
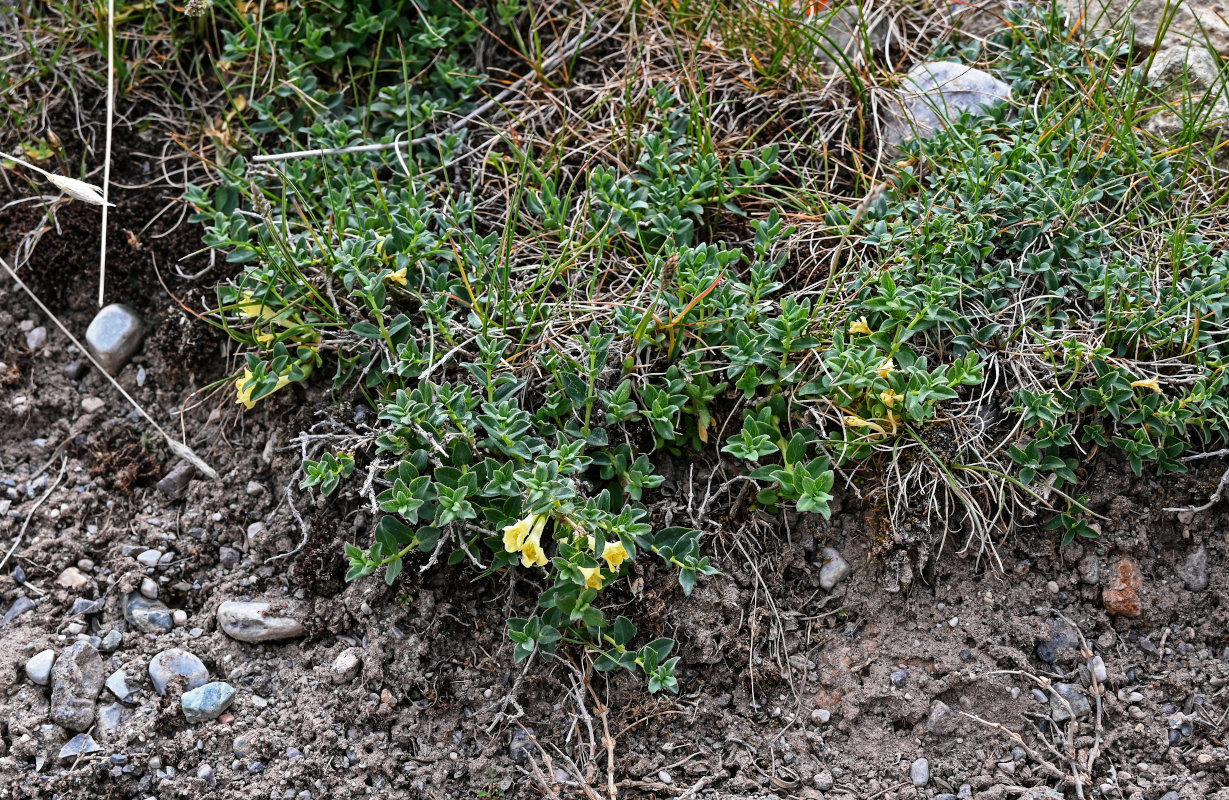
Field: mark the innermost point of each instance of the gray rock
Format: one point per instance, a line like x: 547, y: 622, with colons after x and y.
x: 1072, y: 694
x: 114, y: 336
x: 38, y: 668
x: 1198, y: 23
x: 111, y: 642
x: 83, y: 606
x: 150, y: 616
x: 522, y: 745
x: 919, y: 772
x: 824, y: 780
x: 149, y: 588
x: 150, y: 558
x: 935, y: 93
x: 80, y: 745
x: 942, y: 720
x: 20, y: 606
x: 228, y: 557
x: 1062, y: 637
x: 346, y: 666
x: 820, y: 716
x: 175, y: 484
x: 1194, y: 570
x: 205, y: 773
x: 76, y: 680
x: 172, y: 665
x: 244, y: 745
x: 834, y: 570
x: 1097, y: 667
x: 179, y: 617
x: 945, y: 796
x: 1090, y: 570
x: 1171, y: 796
x: 207, y: 702
x: 117, y: 684
x: 257, y: 622
x: 110, y: 716
x: 36, y: 338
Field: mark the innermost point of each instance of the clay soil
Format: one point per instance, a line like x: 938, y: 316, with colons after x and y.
x: 438, y: 702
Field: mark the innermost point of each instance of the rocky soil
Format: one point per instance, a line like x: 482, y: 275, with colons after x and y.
x: 170, y: 637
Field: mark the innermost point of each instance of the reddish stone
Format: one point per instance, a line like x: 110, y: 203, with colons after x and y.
x: 226, y: 719
x: 1122, y: 587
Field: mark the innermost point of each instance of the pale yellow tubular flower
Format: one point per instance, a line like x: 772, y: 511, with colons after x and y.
x: 593, y: 577
x: 860, y: 326
x: 244, y: 393
x: 516, y: 534
x: 253, y: 309
x: 615, y: 554
x: 531, y: 552
x: 854, y: 421
x: 398, y: 276
x: 1151, y: 383
x: 890, y: 398
x: 888, y: 366
x: 266, y: 340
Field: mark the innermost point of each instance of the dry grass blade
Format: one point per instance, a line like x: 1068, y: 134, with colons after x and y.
x: 76, y: 189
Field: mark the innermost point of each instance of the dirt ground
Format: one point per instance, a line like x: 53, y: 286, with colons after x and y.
x: 787, y: 690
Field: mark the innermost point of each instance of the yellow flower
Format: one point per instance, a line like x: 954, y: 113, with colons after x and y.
x: 243, y: 391
x: 266, y: 340
x: 614, y: 553
x: 593, y: 577
x: 398, y: 276
x: 532, y: 554
x: 854, y: 421
x: 516, y: 533
x: 888, y: 366
x: 1150, y: 383
x: 525, y: 537
x: 890, y: 398
x: 860, y: 326
x: 250, y: 307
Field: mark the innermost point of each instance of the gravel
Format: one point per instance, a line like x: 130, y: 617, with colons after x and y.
x: 257, y: 622
x: 834, y: 570
x: 80, y: 745
x: 76, y: 680
x: 114, y: 336
x: 149, y: 616
x: 172, y: 665
x: 38, y: 668
x: 207, y: 702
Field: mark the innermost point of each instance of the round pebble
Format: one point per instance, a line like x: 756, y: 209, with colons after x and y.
x: 38, y: 668
x: 172, y: 665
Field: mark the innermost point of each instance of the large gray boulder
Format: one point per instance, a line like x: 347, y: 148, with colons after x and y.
x: 1197, y: 95
x: 1200, y: 22
x: 936, y: 92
